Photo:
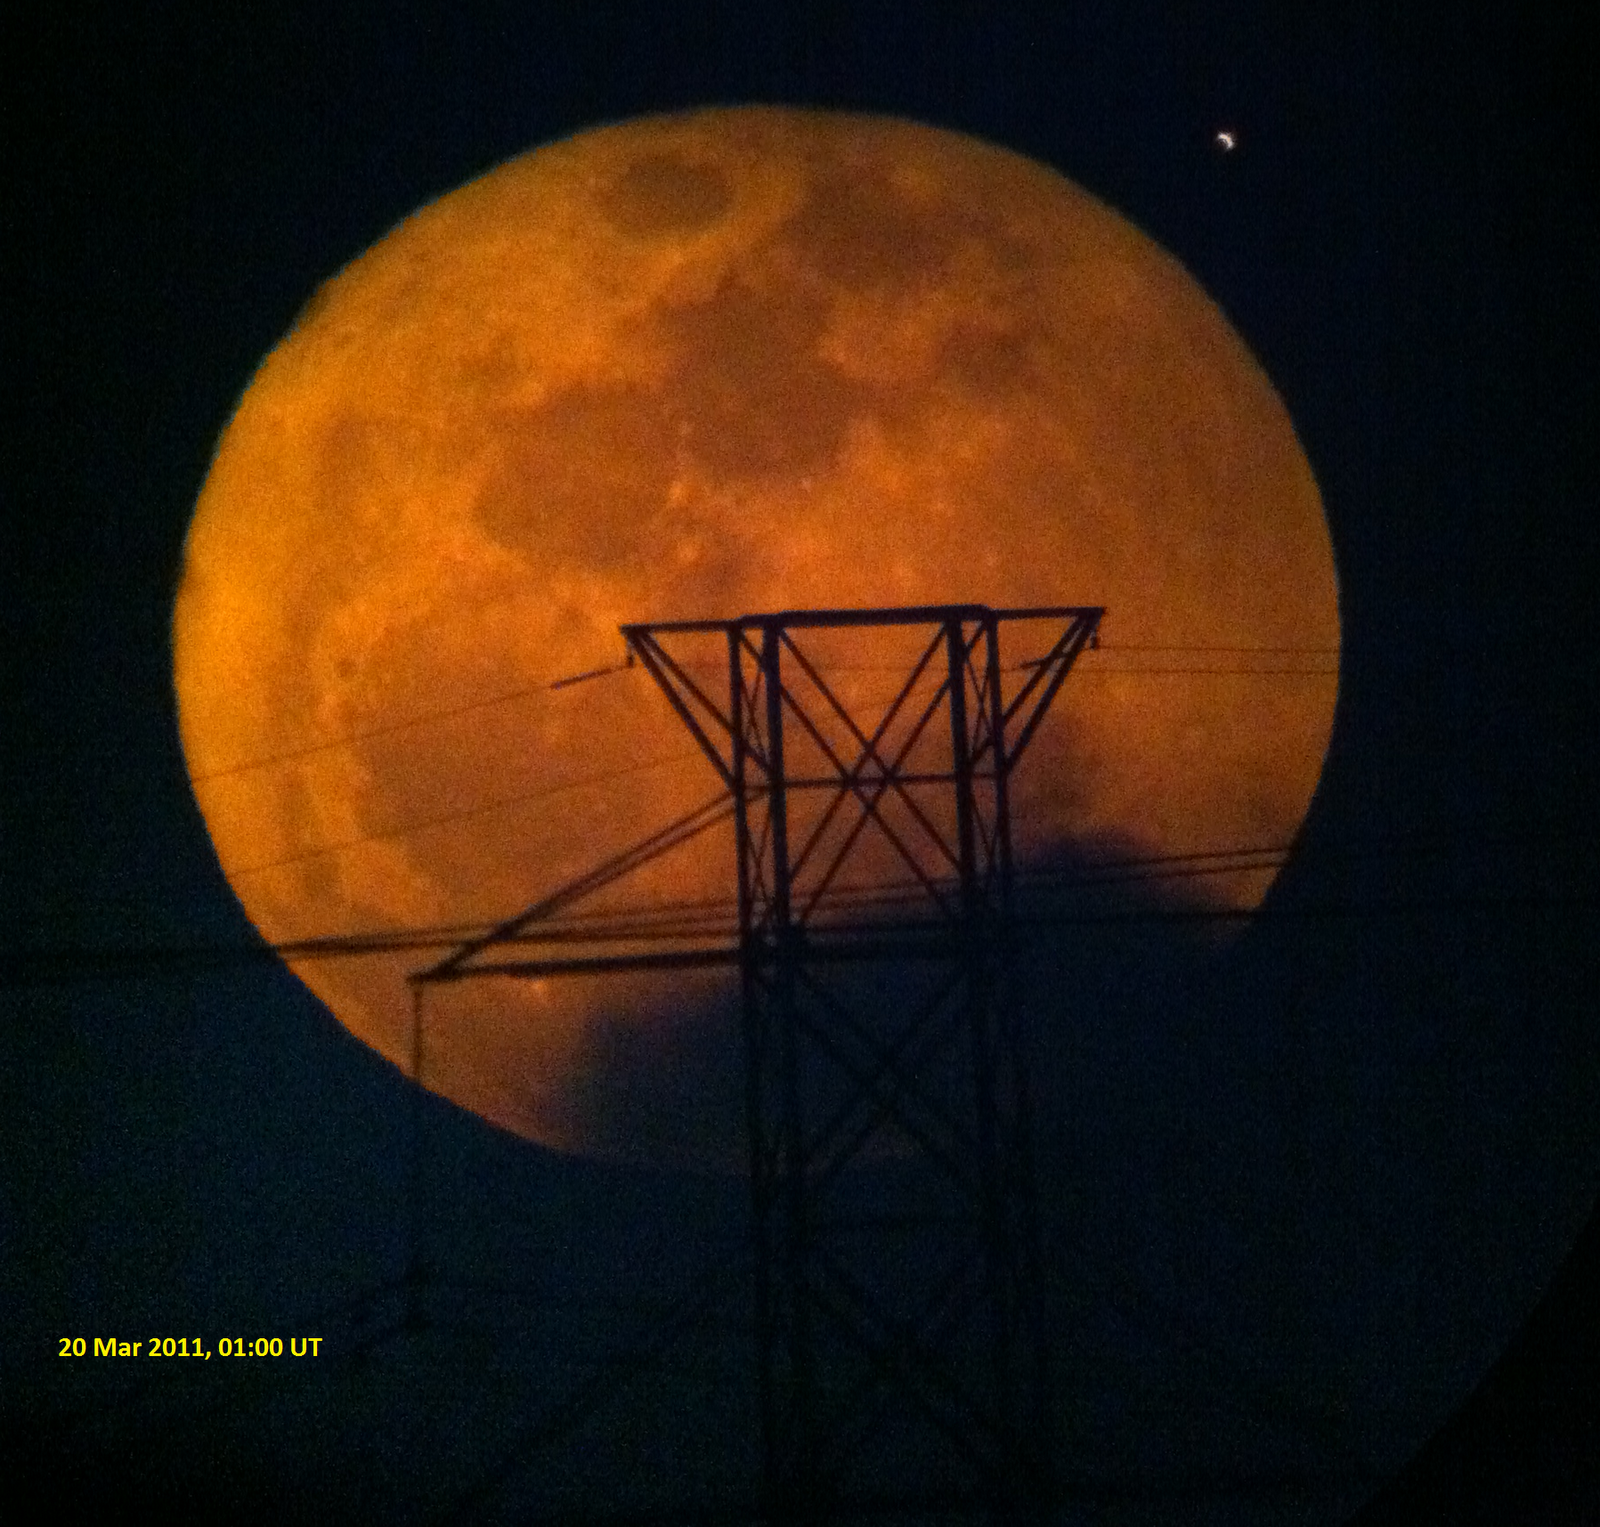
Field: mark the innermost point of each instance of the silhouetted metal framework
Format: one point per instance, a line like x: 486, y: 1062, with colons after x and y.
x: 898, y: 1309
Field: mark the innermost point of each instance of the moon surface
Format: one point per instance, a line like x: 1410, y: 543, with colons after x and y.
x: 698, y: 366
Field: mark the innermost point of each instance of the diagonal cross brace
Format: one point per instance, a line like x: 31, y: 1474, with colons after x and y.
x: 710, y: 723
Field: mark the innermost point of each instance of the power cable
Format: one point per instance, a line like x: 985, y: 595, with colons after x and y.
x: 1098, y: 672
x: 53, y: 967
x: 1188, y: 647
x: 685, y: 917
x: 465, y: 813
x: 424, y: 718
x: 483, y: 808
x: 712, y: 917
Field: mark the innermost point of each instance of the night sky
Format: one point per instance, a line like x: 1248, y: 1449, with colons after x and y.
x: 1305, y: 1191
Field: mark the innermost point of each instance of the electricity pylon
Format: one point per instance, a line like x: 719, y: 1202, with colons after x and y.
x: 897, y: 1275
x: 931, y: 1072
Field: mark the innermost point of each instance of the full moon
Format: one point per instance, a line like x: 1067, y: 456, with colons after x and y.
x: 699, y: 366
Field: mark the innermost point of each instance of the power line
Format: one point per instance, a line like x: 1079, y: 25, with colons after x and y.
x: 483, y: 808
x: 707, y: 917
x: 888, y: 894
x: 1190, y: 864
x: 30, y: 968
x: 1174, y: 647
x: 1095, y: 671
x: 465, y: 813
x: 424, y: 718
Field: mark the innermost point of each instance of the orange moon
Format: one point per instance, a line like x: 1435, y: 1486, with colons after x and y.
x: 698, y: 366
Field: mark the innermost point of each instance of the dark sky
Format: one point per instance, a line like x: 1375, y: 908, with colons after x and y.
x: 1317, y: 1185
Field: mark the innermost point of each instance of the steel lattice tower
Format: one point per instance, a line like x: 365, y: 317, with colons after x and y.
x: 939, y: 1071
x: 896, y: 1258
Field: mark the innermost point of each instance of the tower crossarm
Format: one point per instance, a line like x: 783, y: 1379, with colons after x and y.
x: 712, y: 722
x: 708, y: 724
x: 1028, y: 706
